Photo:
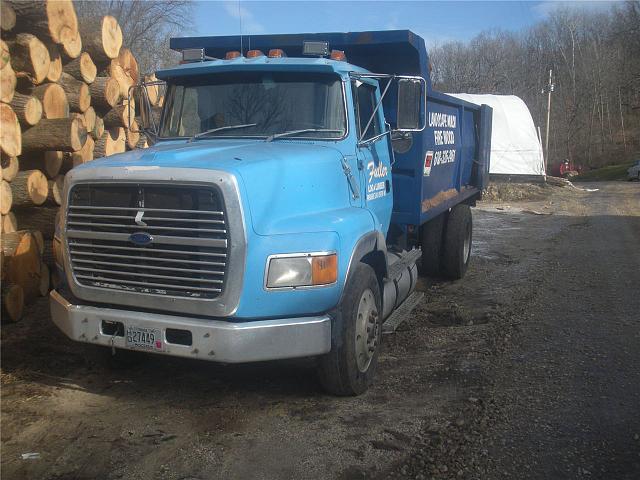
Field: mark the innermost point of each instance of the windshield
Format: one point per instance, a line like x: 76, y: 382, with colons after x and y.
x: 256, y: 104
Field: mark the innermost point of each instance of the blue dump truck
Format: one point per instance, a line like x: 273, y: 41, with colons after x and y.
x: 295, y: 186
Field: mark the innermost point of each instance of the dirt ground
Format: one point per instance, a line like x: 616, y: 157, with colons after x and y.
x: 527, y: 368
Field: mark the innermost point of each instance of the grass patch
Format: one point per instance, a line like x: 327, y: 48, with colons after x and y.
x: 610, y: 172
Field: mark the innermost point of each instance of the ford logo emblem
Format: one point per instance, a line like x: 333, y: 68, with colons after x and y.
x: 142, y: 239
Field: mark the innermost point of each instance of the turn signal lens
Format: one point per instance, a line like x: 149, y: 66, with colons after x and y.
x: 304, y: 270
x: 231, y: 55
x: 255, y: 53
x: 338, y: 55
x: 277, y: 53
x: 324, y: 269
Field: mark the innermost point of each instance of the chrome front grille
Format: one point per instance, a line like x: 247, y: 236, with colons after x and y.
x: 187, y: 227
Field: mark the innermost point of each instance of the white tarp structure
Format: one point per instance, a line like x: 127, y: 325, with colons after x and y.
x: 515, y: 146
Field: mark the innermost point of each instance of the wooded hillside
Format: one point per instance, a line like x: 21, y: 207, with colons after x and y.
x: 595, y: 56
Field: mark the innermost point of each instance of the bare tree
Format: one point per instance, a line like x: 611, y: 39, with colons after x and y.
x: 147, y: 26
x: 595, y: 56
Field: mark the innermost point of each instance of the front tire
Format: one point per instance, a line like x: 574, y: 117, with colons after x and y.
x: 350, y: 367
x: 457, y: 242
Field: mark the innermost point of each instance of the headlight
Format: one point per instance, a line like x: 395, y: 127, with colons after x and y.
x: 303, y: 270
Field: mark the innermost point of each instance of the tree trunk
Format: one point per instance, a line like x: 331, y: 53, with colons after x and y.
x: 129, y: 64
x: 105, y: 93
x: 111, y: 142
x: 152, y: 90
x: 72, y: 47
x: 48, y: 256
x: 98, y: 129
x: 5, y: 56
x: 24, y: 264
x: 133, y: 135
x: 118, y: 116
x: 29, y: 188
x: 6, y: 197
x: 29, y: 57
x: 42, y: 219
x: 54, y: 100
x: 85, y: 154
x: 9, y: 223
x: 102, y: 41
x: 7, y: 17
x: 82, y: 68
x: 28, y: 109
x: 142, y: 141
x: 90, y: 119
x: 43, y: 287
x: 50, y: 162
x: 10, y: 135
x: 77, y: 93
x: 54, y: 20
x: 66, y: 134
x: 8, y: 82
x: 12, y: 302
x: 56, y: 188
x: 55, y: 67
x: 10, y: 168
x: 115, y: 71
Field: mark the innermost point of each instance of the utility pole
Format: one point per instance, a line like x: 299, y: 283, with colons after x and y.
x: 550, y: 87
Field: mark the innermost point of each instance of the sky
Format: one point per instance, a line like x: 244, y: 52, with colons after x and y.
x: 436, y: 21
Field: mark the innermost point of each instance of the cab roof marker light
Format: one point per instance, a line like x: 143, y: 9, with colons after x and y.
x: 277, y: 53
x: 232, y: 55
x: 255, y: 53
x: 338, y: 55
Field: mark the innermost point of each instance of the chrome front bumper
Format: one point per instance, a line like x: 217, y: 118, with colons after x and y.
x: 212, y: 340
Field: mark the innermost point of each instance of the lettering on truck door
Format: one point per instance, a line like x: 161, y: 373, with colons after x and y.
x: 374, y: 156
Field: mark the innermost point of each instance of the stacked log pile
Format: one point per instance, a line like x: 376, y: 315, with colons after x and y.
x: 63, y: 102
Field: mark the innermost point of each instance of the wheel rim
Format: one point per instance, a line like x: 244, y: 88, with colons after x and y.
x: 366, y: 329
x: 467, y: 244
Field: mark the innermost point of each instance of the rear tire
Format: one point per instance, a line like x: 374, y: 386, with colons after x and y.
x: 350, y: 367
x: 431, y: 245
x: 457, y: 242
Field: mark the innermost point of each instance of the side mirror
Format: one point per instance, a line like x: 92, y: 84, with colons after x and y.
x: 410, y: 101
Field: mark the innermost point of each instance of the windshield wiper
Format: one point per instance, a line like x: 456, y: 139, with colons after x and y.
x: 304, y: 130
x: 218, y: 129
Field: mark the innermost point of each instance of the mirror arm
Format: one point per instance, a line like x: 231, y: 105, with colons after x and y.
x: 375, y: 110
x: 368, y: 141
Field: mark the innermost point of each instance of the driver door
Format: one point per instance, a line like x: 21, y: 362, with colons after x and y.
x: 373, y: 156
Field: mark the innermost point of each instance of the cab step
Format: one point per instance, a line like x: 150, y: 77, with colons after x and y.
x: 402, y: 312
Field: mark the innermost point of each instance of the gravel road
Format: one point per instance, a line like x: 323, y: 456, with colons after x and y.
x: 528, y: 368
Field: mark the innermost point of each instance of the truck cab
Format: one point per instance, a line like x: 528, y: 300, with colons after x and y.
x: 283, y: 210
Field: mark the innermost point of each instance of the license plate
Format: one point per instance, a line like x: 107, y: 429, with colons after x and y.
x: 144, y: 338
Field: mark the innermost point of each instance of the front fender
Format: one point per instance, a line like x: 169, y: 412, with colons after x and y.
x: 349, y: 227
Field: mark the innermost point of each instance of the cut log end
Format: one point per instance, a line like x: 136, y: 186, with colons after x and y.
x: 30, y: 187
x: 28, y: 109
x: 10, y: 135
x: 12, y: 302
x: 6, y: 197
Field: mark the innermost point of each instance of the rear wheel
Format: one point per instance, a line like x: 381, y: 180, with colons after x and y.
x: 457, y: 242
x: 431, y: 246
x: 350, y: 367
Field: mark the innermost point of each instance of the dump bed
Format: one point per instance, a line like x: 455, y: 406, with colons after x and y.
x: 445, y: 164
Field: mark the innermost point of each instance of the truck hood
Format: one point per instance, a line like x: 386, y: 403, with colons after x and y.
x: 286, y: 184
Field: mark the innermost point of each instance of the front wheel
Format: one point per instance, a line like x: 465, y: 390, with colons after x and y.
x: 350, y: 367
